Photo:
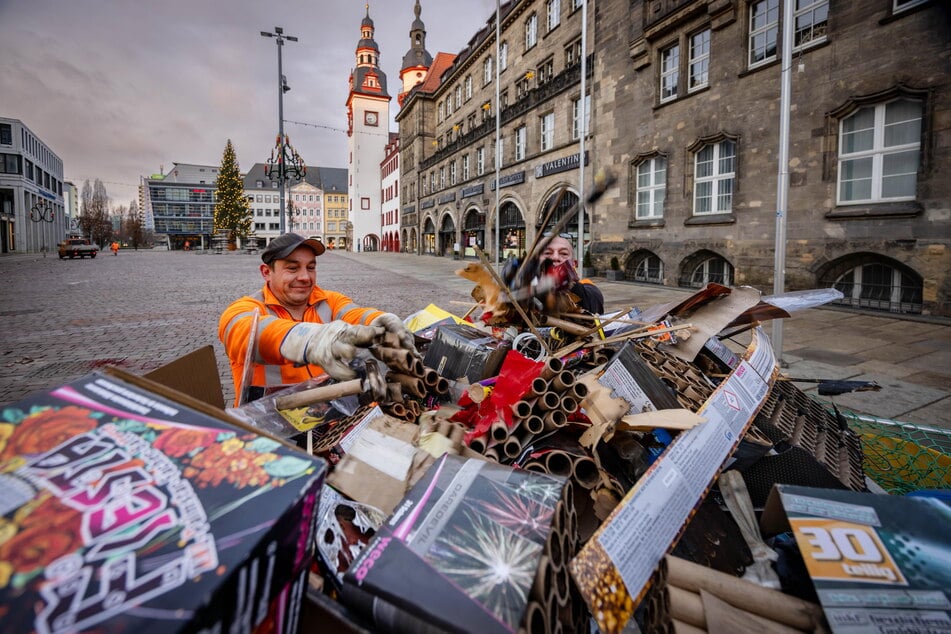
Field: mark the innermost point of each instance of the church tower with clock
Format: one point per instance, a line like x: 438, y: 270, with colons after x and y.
x: 368, y: 118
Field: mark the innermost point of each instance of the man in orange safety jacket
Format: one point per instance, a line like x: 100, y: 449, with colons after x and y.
x: 303, y: 330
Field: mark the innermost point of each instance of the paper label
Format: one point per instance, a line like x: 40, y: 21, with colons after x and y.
x: 384, y: 453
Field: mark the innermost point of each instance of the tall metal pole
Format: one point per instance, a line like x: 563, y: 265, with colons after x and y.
x: 280, y: 122
x: 281, y: 169
x: 582, y: 113
x: 498, y: 122
x: 782, y: 181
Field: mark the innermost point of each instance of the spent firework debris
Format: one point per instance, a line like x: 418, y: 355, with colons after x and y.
x: 493, y: 565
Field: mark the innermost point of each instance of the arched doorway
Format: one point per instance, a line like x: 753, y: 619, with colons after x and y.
x: 429, y: 237
x: 473, y: 232
x: 413, y: 241
x: 371, y: 242
x: 511, y: 229
x: 447, y: 235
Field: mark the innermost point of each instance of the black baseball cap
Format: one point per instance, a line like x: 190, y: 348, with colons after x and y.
x: 283, y: 245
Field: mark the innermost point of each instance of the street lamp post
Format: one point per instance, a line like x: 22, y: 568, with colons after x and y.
x: 281, y: 89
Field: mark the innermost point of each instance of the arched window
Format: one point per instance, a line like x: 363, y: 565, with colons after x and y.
x: 872, y: 281
x: 644, y: 266
x: 704, y: 267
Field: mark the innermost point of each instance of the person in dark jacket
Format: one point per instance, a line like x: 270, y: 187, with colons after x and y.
x: 558, y: 253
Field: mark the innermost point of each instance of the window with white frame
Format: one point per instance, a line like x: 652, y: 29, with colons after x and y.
x: 879, y: 153
x: 487, y: 70
x: 547, y: 131
x: 573, y: 54
x: 553, y: 10
x: 714, y: 174
x: 442, y: 177
x: 576, y: 116
x: 441, y: 110
x: 452, y: 173
x: 465, y: 167
x: 576, y: 4
x: 546, y: 70
x: 468, y: 87
x: 811, y: 20
x: 521, y: 137
x: 459, y: 96
x: 480, y: 161
x: 669, y: 72
x: 531, y: 31
x: 651, y: 188
x: 764, y: 29
x: 449, y: 105
x: 432, y: 181
x: 699, y: 61
x: 503, y: 56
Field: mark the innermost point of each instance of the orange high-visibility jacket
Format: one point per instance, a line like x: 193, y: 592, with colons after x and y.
x: 274, y: 321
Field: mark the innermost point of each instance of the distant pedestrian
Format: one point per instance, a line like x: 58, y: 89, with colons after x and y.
x: 115, y: 248
x: 188, y: 246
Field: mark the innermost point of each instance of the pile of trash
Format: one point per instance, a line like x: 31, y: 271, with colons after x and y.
x: 537, y: 467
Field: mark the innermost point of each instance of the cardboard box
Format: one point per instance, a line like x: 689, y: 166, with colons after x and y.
x: 463, y: 351
x: 461, y: 551
x: 879, y: 563
x: 126, y: 506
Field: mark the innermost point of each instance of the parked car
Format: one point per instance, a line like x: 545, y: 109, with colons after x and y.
x: 77, y: 247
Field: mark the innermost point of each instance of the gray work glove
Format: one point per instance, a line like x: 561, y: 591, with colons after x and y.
x: 394, y: 324
x: 331, y: 346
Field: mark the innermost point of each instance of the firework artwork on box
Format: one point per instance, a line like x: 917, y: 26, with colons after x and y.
x: 122, y: 510
x: 470, y: 536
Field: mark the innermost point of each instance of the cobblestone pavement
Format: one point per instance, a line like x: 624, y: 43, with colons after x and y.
x: 142, y: 309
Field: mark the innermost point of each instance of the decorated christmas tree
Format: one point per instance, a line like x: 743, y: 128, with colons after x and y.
x: 232, y: 213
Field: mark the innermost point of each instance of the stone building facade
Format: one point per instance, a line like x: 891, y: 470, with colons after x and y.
x: 686, y: 107
x: 447, y: 127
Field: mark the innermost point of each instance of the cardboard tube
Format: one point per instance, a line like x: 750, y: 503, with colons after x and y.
x: 680, y: 627
x: 492, y: 453
x: 547, y: 401
x: 398, y: 357
x: 320, y: 394
x: 558, y: 463
x: 430, y: 377
x: 457, y: 434
x: 479, y: 444
x: 536, y: 466
x: 536, y: 618
x: 562, y: 584
x: 477, y: 392
x: 499, y: 431
x: 579, y: 391
x: 417, y: 368
x: 553, y: 365
x: 411, y: 384
x: 538, y: 387
x: 442, y: 386
x: 569, y: 404
x: 522, y: 409
x: 555, y: 419
x: 686, y: 606
x: 543, y: 579
x: 770, y: 604
x: 567, y: 326
x: 512, y: 446
x: 585, y: 472
x: 391, y: 340
x: 562, y: 381
x: 394, y: 392
x: 397, y: 409
x: 533, y: 424
x: 553, y: 549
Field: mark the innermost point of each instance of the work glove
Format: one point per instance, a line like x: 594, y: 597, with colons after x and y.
x: 331, y: 346
x: 392, y: 323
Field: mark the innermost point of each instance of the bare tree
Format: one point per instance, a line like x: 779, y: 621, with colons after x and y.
x: 94, y: 219
x: 134, y: 226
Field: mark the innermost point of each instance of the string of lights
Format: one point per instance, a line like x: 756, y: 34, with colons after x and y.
x: 331, y: 128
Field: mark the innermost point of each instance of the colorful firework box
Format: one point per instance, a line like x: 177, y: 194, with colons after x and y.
x: 124, y: 510
x: 461, y: 551
x: 879, y: 563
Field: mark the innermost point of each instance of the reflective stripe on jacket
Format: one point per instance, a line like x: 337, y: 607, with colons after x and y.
x: 274, y: 322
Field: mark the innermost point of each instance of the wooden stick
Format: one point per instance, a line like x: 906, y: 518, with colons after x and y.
x: 320, y: 394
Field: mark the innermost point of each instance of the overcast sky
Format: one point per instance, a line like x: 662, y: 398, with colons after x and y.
x: 120, y: 88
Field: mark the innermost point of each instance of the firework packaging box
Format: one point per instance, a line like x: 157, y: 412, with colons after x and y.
x: 879, y: 563
x: 461, y: 551
x: 126, y: 506
x: 463, y: 351
x: 614, y: 567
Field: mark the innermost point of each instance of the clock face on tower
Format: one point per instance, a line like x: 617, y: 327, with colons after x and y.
x: 370, y: 117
